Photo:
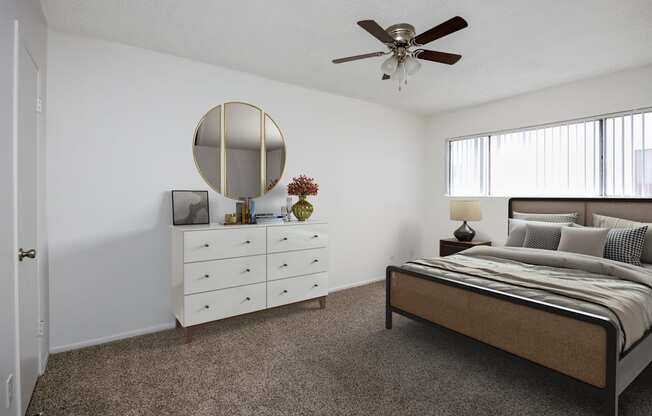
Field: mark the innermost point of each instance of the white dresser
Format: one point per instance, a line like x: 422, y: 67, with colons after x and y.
x: 221, y: 271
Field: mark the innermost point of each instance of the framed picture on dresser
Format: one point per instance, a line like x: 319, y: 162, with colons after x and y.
x: 190, y: 207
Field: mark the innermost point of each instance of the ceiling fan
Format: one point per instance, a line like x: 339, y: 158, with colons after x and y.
x: 404, y: 46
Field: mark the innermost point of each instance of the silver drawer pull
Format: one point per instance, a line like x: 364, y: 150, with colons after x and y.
x: 315, y: 261
x: 247, y: 270
x: 284, y: 239
x: 284, y: 291
x: 247, y: 242
x: 247, y: 298
x: 206, y: 276
x: 315, y: 285
x: 284, y: 265
x: 315, y: 236
x: 207, y: 245
x: 206, y: 307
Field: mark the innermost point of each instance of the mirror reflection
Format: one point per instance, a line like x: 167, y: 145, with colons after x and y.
x: 207, y: 148
x: 274, y: 154
x: 243, y: 144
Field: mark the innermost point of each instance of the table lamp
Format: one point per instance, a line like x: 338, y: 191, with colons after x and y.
x: 465, y: 210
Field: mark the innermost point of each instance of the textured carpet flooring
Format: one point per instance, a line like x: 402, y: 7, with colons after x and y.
x: 300, y: 360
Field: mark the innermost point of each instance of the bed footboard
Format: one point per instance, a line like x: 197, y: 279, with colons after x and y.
x: 578, y: 345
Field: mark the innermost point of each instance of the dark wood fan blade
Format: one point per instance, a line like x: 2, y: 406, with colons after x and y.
x: 441, y: 57
x: 385, y: 76
x: 375, y: 30
x: 356, y: 57
x: 444, y: 29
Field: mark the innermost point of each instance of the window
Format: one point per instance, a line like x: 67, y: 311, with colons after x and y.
x: 628, y: 155
x: 468, y: 166
x: 609, y: 156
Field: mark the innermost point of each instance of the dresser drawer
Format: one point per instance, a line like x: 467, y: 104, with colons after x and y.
x: 296, y: 263
x: 209, y: 306
x: 221, y: 244
x: 296, y: 237
x: 219, y: 274
x: 281, y: 292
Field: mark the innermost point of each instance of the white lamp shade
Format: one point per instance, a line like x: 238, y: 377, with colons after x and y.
x: 465, y: 210
x: 389, y: 66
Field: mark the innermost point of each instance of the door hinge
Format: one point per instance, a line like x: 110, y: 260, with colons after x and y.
x: 41, y: 328
x: 39, y: 105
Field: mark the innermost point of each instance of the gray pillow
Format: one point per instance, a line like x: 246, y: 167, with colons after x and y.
x: 542, y: 236
x: 516, y: 230
x: 625, y: 245
x: 613, y: 222
x: 557, y: 218
x: 585, y: 240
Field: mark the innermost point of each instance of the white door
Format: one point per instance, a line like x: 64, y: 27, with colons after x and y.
x: 27, y: 225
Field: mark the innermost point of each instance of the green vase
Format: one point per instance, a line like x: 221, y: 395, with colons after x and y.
x: 302, y: 209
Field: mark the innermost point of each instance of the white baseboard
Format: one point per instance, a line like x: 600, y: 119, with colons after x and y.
x: 163, y: 327
x: 116, y: 337
x: 356, y: 284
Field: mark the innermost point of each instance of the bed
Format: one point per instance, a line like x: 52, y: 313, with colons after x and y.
x: 585, y: 318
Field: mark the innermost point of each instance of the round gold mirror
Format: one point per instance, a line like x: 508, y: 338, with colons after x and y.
x: 239, y: 150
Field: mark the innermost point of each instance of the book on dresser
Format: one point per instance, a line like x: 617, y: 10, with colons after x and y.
x: 221, y: 271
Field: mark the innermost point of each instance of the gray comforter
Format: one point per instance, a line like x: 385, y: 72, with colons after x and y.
x: 618, y: 291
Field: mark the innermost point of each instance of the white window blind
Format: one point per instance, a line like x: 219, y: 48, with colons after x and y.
x: 556, y: 160
x: 610, y: 156
x: 468, y: 166
x: 628, y: 155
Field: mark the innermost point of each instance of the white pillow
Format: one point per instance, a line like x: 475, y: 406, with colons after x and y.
x: 556, y: 218
x: 590, y: 241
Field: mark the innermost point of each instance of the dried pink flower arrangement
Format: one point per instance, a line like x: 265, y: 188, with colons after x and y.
x: 303, y: 186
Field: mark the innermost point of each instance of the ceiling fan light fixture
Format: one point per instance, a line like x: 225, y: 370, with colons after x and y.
x: 404, y: 46
x: 388, y: 67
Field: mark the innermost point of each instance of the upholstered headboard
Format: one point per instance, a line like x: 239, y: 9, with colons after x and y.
x: 635, y: 209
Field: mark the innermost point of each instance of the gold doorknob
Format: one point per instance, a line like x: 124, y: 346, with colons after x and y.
x: 31, y: 253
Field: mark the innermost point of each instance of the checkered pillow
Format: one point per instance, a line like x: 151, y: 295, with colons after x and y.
x: 542, y: 236
x: 625, y: 245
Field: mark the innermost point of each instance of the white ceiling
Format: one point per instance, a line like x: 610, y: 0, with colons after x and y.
x: 510, y: 46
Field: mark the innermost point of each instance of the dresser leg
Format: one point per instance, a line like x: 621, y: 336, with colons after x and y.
x: 187, y: 332
x: 178, y: 324
x: 322, y: 302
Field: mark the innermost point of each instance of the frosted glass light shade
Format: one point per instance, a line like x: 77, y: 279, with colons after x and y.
x: 389, y: 66
x: 465, y: 210
x: 401, y: 75
x: 412, y: 65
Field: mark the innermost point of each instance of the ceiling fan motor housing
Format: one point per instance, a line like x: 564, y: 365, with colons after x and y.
x: 402, y: 33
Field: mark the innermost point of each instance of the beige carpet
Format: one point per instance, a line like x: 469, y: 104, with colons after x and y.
x: 300, y: 360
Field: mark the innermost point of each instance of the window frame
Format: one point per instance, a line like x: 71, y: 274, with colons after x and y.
x: 490, y: 135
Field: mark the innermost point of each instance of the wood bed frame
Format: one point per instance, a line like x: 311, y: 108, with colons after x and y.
x: 617, y: 371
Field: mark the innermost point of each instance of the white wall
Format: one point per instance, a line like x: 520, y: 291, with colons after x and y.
x: 33, y: 36
x: 120, y: 134
x: 607, y: 94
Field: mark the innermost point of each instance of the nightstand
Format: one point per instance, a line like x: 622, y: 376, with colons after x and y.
x: 448, y: 246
